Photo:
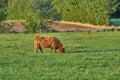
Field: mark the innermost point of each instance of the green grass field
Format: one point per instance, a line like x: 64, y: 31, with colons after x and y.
x: 88, y: 57
x: 115, y: 21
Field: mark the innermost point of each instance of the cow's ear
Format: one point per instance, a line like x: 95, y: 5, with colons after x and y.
x: 63, y: 47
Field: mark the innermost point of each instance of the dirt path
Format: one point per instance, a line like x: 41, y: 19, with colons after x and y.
x: 70, y: 26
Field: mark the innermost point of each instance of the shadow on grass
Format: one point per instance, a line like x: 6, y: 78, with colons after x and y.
x: 79, y: 51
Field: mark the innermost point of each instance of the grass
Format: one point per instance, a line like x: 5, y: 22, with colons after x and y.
x: 88, y: 57
x: 115, y: 21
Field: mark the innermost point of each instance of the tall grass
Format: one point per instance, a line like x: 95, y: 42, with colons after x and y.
x: 93, y: 56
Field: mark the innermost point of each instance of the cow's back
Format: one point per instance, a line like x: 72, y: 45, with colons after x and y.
x: 55, y: 42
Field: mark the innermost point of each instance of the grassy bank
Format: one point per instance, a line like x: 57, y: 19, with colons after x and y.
x: 93, y: 56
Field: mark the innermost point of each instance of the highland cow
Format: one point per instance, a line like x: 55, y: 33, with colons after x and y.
x: 48, y: 42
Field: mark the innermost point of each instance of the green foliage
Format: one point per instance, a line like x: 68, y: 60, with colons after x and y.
x: 30, y: 26
x: 2, y: 10
x: 19, y: 9
x: 114, y: 8
x: 35, y: 12
x: 113, y: 5
x: 2, y: 14
x: 96, y: 12
x: 45, y: 11
x: 1, y: 3
x: 86, y: 11
x: 88, y: 57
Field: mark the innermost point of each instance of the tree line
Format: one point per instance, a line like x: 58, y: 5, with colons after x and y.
x: 96, y: 12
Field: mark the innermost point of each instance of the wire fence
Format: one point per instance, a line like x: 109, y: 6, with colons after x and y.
x: 17, y: 30
x: 2, y: 31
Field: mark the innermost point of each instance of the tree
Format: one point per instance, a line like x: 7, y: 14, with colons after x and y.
x: 114, y: 7
x: 21, y: 10
x: 84, y: 11
x: 35, y: 12
x: 45, y: 12
x: 3, y: 4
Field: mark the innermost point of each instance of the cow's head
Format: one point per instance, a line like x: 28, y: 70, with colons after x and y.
x: 62, y: 49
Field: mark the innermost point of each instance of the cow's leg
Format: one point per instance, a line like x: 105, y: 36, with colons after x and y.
x: 36, y: 47
x: 51, y: 49
x: 61, y: 49
x: 54, y: 50
x: 41, y: 49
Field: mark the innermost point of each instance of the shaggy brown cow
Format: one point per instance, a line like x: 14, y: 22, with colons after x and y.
x: 48, y: 42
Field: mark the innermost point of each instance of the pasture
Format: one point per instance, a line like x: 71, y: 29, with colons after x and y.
x: 115, y: 21
x: 94, y: 56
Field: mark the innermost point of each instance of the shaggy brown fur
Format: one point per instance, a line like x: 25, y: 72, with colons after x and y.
x: 48, y: 42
